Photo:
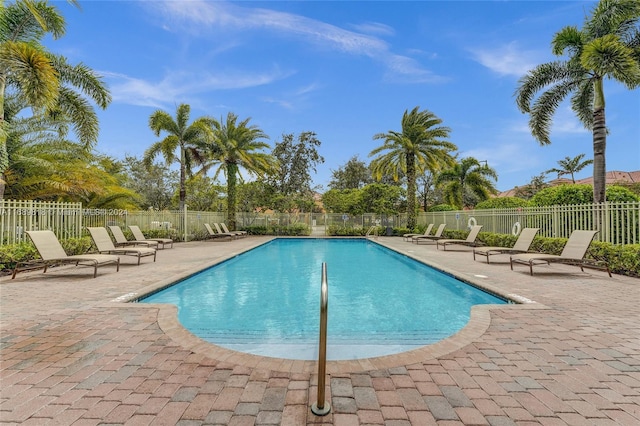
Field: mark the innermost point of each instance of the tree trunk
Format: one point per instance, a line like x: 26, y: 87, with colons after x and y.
x: 411, y: 191
x: 183, y: 180
x: 232, y: 173
x: 599, y: 146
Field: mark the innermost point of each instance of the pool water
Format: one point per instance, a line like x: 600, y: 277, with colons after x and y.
x: 267, y: 301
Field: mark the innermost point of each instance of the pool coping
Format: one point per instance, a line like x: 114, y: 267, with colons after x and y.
x: 167, y: 318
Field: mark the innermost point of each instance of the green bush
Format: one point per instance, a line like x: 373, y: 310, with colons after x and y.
x: 349, y: 231
x: 441, y: 208
x: 563, y: 195
x: 296, y: 229
x: 503, y: 203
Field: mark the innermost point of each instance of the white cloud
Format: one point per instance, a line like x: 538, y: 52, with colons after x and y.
x: 202, y: 17
x: 508, y: 59
x: 177, y: 85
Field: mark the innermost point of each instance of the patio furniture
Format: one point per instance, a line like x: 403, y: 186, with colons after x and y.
x: 52, y: 253
x: 573, y: 253
x: 139, y: 236
x: 121, y: 240
x: 522, y: 244
x: 103, y: 243
x: 469, y: 241
x: 408, y: 237
x: 214, y: 235
x: 434, y: 237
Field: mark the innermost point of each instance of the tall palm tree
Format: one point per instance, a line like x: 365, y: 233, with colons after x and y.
x: 421, y: 145
x: 467, y: 176
x: 181, y: 143
x: 570, y: 166
x: 236, y: 146
x: 36, y: 78
x: 606, y: 47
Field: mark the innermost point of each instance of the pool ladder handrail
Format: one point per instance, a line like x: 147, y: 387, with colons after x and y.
x: 373, y: 229
x: 321, y: 407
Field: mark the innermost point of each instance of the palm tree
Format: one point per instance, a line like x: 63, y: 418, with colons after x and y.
x: 571, y: 166
x: 421, y: 145
x: 53, y: 88
x: 235, y: 146
x: 606, y: 47
x: 182, y: 137
x: 467, y: 176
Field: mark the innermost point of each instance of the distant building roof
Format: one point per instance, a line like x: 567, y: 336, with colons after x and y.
x: 611, y: 178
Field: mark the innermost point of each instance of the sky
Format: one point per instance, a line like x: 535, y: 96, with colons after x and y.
x: 345, y: 70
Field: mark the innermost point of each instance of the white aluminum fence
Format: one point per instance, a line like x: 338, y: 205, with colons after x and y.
x: 17, y: 216
x: 620, y: 222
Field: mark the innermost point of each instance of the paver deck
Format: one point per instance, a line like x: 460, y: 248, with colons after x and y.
x: 73, y: 352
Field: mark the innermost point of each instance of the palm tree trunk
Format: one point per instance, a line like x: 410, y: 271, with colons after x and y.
x: 599, y: 146
x: 411, y: 191
x: 183, y: 179
x: 232, y: 173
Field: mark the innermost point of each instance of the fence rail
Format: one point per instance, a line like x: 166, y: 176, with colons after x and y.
x: 618, y: 223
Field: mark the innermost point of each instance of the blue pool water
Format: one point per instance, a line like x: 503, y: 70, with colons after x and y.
x: 266, y: 301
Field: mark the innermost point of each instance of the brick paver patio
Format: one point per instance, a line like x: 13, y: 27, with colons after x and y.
x: 74, y: 353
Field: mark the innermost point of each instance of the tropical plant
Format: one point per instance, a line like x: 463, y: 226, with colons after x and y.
x: 570, y: 166
x: 235, y: 146
x: 182, y: 137
x: 503, y: 203
x: 54, y: 89
x: 532, y: 188
x: 296, y: 158
x: 606, y: 47
x: 579, y: 194
x: 467, y: 177
x: 354, y: 174
x: 421, y: 145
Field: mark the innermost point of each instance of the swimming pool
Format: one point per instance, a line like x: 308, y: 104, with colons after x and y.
x: 266, y: 301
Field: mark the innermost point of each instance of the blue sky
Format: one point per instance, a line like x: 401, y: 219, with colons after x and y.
x: 345, y: 70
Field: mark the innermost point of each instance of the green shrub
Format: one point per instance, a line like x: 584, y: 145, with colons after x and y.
x: 349, y: 231
x: 563, y: 195
x: 11, y: 254
x: 441, y: 208
x: 296, y: 229
x: 503, y: 203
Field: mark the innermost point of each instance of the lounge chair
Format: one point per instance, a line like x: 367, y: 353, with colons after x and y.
x: 470, y: 241
x: 434, y: 237
x: 214, y: 235
x: 103, y: 243
x: 221, y: 232
x: 139, y: 236
x: 524, y: 241
x: 572, y: 254
x: 409, y: 237
x: 226, y: 230
x: 52, y: 253
x: 121, y: 240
